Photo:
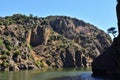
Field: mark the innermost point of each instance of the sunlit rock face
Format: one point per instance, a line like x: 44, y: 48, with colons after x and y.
x: 28, y: 42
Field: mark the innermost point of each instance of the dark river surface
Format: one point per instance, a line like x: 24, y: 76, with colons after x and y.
x: 61, y: 74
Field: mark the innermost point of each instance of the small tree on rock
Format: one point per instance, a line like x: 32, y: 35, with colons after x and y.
x: 112, y: 31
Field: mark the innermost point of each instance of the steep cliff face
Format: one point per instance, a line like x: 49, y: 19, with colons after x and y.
x: 107, y: 64
x: 54, y: 41
x: 86, y: 35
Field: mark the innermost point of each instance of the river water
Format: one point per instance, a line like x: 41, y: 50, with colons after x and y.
x: 61, y: 74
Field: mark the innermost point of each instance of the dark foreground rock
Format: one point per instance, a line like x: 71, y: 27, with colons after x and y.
x: 108, y: 63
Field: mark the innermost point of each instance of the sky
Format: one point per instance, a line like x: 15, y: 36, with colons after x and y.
x: 101, y: 13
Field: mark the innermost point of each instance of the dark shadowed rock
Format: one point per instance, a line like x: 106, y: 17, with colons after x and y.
x: 107, y: 64
x: 69, y: 61
x: 78, y: 55
x: 81, y: 60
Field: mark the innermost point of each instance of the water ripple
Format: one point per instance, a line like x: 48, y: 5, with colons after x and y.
x: 85, y: 76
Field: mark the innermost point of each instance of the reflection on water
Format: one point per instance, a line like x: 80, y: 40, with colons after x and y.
x: 47, y: 75
x: 63, y: 74
x: 86, y: 76
x: 18, y: 75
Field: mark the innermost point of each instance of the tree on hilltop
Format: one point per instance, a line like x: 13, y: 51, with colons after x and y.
x: 112, y: 30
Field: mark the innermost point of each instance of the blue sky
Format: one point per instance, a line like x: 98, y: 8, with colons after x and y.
x: 100, y: 13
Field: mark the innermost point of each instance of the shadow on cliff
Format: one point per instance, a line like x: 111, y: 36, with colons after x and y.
x: 72, y: 59
x: 68, y: 60
x: 108, y: 63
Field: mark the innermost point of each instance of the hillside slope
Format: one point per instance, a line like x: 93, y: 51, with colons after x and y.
x: 28, y: 42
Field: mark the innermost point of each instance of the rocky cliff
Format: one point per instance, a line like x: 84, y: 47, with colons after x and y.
x: 107, y: 64
x: 28, y: 42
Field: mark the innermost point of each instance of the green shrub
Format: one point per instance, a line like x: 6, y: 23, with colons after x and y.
x: 17, y: 52
x: 6, y: 42
x: 59, y: 37
x: 1, y: 41
x: 4, y: 56
x: 9, y: 47
x: 1, y: 23
x: 5, y: 52
x: 5, y: 64
x: 39, y: 63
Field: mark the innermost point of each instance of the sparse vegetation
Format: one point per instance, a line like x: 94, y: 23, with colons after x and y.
x: 17, y: 52
x: 4, y: 56
x: 1, y: 41
x: 5, y: 52
x: 5, y: 64
x: 53, y: 37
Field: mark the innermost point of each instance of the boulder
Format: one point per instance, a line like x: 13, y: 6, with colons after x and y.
x: 23, y: 66
x: 31, y: 67
x: 13, y: 68
x: 108, y: 63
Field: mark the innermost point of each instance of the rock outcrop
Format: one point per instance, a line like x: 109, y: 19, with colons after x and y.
x: 28, y: 42
x: 107, y: 64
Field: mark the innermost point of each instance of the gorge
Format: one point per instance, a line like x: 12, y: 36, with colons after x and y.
x: 28, y: 42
